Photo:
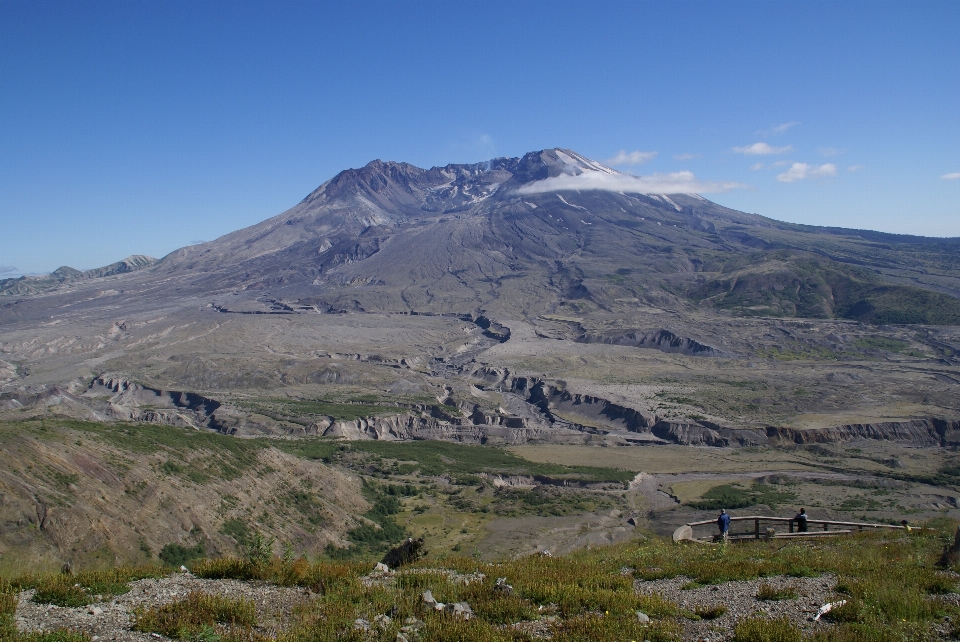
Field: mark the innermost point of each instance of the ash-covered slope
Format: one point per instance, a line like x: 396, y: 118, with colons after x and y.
x: 548, y: 232
x: 528, y: 235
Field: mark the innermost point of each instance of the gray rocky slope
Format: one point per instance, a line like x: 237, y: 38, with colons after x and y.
x: 319, y: 299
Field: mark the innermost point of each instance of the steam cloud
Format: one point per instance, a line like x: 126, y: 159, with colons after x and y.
x: 674, y: 183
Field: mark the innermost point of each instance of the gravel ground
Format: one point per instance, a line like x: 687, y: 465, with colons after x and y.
x: 740, y: 600
x: 111, y: 620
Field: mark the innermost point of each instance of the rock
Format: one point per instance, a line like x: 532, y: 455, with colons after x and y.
x: 431, y: 602
x: 410, y: 551
x: 502, y: 587
x: 632, y: 521
x: 361, y: 625
x: 184, y: 569
x: 643, y: 618
x: 411, y: 626
x: 95, y: 610
x: 381, y: 568
x: 459, y: 609
x: 382, y: 621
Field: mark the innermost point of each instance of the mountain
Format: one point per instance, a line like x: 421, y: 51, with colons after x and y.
x: 549, y: 231
x: 26, y: 285
x: 544, y: 302
x: 553, y: 228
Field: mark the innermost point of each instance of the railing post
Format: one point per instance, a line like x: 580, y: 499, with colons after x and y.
x: 791, y: 525
x: 756, y: 529
x: 826, y: 526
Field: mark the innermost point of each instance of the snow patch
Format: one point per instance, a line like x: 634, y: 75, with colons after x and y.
x: 571, y: 204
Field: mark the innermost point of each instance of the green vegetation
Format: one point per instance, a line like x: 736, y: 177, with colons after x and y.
x: 83, y: 588
x: 382, y: 530
x: 767, y: 592
x: 737, y: 496
x: 439, y: 458
x: 315, y: 409
x: 784, y: 283
x: 881, y: 343
x: 545, y: 501
x: 889, y: 580
x: 344, y: 408
x: 764, y: 630
x: 237, y: 529
x: 176, y: 555
x: 195, y: 616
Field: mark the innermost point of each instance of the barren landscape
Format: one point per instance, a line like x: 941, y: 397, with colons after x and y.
x: 623, y: 361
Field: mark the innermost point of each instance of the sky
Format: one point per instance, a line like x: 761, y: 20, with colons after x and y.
x: 141, y: 127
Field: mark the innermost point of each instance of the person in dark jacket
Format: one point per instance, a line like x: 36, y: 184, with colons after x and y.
x: 723, y: 523
x: 801, y: 520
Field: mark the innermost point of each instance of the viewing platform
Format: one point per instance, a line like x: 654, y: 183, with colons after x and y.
x: 766, y: 527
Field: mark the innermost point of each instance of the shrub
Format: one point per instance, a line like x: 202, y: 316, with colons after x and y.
x: 81, y: 589
x: 224, y: 568
x: 176, y: 555
x: 61, y: 591
x: 710, y: 612
x: 767, y: 592
x: 195, y: 615
x: 762, y: 630
x: 940, y: 584
x: 593, y: 626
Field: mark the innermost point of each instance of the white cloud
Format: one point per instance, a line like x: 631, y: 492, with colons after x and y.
x: 830, y: 151
x: 800, y: 171
x: 756, y: 166
x: 952, y: 176
x: 780, y: 163
x: 674, y: 183
x: 855, y: 168
x: 624, y: 157
x: 779, y: 129
x: 761, y: 149
x: 683, y: 157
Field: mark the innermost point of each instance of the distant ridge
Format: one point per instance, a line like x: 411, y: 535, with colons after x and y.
x: 26, y: 285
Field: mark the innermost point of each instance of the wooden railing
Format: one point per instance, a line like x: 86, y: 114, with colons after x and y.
x: 685, y: 532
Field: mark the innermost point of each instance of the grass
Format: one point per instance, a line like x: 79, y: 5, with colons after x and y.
x: 729, y: 496
x: 86, y: 587
x: 176, y: 555
x: 767, y: 592
x: 438, y: 458
x: 196, y: 615
x: 889, y: 580
x: 764, y: 630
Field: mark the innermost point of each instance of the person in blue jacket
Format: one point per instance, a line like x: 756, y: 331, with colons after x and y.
x: 801, y: 520
x: 723, y: 523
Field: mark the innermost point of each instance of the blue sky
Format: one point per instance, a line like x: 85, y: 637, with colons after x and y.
x: 140, y: 127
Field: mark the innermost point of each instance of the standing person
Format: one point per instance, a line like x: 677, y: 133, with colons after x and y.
x: 723, y: 523
x: 801, y: 520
